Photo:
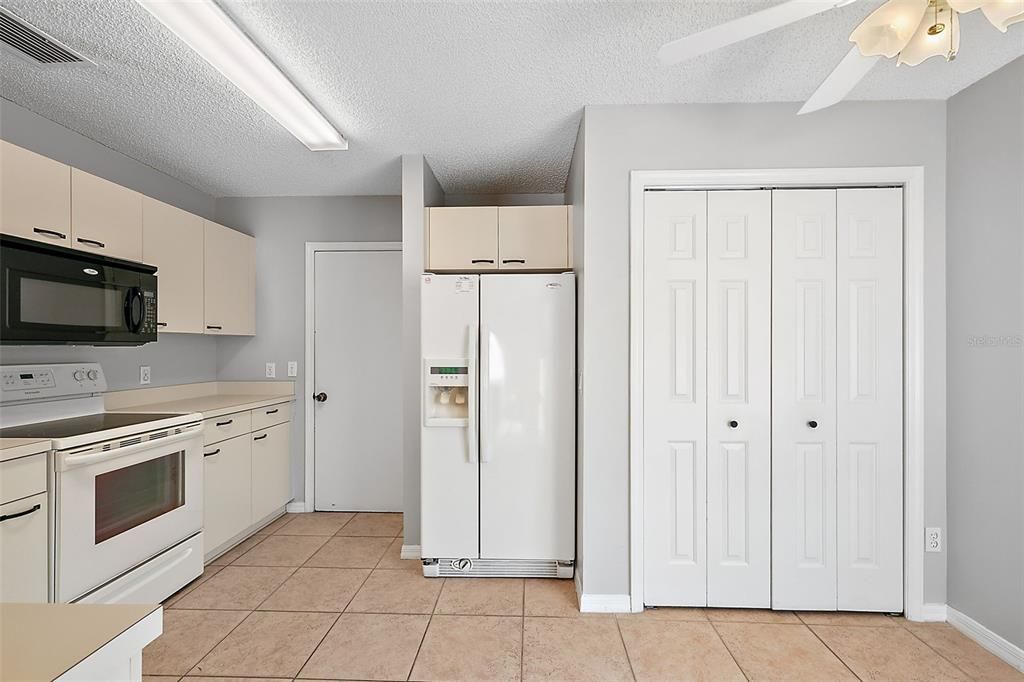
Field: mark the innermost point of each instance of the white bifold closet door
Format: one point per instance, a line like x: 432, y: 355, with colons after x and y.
x: 707, y: 418
x: 837, y: 472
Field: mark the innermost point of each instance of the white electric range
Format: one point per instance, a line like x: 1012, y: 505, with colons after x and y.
x: 125, y: 489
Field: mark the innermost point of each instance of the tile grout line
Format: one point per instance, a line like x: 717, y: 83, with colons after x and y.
x: 813, y: 632
x: 522, y: 634
x: 939, y: 653
x: 625, y: 649
x: 423, y: 638
x: 318, y: 644
x: 728, y: 650
x: 210, y: 651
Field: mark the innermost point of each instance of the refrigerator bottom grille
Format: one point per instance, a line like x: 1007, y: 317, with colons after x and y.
x: 497, y: 568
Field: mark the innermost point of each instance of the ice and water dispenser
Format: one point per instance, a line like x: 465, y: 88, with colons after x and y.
x: 447, y: 398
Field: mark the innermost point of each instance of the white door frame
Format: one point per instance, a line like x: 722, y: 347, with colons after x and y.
x: 911, y: 178
x: 312, y: 248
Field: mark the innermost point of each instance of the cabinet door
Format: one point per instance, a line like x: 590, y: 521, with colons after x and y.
x: 230, y: 281
x: 106, y: 218
x: 36, y: 196
x: 172, y: 240
x: 271, y: 471
x: 463, y: 238
x: 227, y: 490
x: 23, y: 550
x: 533, y: 238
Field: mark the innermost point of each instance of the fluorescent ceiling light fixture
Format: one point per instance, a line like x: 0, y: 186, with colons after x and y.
x: 216, y: 38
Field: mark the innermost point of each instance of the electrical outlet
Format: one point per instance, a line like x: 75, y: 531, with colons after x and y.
x: 933, y: 539
x: 145, y: 375
x: 271, y: 370
x: 293, y: 368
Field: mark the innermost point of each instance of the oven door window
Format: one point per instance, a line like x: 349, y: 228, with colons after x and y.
x: 129, y: 497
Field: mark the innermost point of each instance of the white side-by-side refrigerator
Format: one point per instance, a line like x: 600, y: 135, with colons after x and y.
x: 497, y: 450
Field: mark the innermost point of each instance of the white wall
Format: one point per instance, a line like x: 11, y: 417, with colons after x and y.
x: 985, y: 242
x: 282, y: 226
x: 670, y: 137
x: 175, y: 358
x: 420, y: 189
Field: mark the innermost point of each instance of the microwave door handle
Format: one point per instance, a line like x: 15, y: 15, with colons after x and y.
x: 133, y: 322
x: 74, y: 461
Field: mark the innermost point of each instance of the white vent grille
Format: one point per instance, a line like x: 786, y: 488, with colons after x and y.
x: 28, y: 42
x: 502, y: 568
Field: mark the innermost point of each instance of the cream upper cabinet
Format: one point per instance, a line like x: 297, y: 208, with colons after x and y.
x: 230, y: 281
x: 172, y: 240
x: 35, y: 196
x: 106, y: 218
x: 533, y: 237
x: 463, y: 238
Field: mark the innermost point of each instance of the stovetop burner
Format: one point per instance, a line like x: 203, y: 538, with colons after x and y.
x: 76, y: 426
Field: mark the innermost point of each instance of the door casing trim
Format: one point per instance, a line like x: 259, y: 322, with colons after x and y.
x: 312, y: 248
x: 911, y: 179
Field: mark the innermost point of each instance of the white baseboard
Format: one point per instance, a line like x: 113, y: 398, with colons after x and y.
x: 933, y: 613
x: 411, y: 552
x: 604, y: 603
x: 1001, y: 647
x: 296, y: 508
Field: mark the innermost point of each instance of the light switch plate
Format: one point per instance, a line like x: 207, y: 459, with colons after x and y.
x: 933, y: 539
x: 293, y: 368
x: 271, y: 370
x: 145, y: 374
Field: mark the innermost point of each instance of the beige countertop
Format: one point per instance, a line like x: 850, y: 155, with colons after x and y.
x: 44, y: 641
x: 12, y: 448
x: 211, y: 399
x: 211, y: 405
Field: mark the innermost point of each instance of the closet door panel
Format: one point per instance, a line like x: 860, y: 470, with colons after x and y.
x: 870, y: 399
x: 804, y: 399
x: 739, y: 398
x: 675, y: 400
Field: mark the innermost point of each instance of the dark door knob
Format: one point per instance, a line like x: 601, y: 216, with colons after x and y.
x: 320, y: 397
x: 733, y: 424
x: 813, y: 424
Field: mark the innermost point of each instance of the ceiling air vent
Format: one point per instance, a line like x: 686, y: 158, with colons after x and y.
x: 28, y: 42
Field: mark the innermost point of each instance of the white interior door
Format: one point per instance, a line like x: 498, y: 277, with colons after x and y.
x: 804, y: 399
x: 870, y: 399
x: 527, y: 413
x: 739, y: 398
x: 358, y: 346
x: 675, y: 398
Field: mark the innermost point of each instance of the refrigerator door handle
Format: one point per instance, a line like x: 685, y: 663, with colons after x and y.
x: 485, y: 378
x: 471, y: 409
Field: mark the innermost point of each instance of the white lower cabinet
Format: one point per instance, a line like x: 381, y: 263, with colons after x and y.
x: 227, y: 490
x: 271, y: 468
x: 23, y: 550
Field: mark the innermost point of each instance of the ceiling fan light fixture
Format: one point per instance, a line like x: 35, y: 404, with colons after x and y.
x: 930, y: 40
x: 1003, y: 13
x: 889, y: 28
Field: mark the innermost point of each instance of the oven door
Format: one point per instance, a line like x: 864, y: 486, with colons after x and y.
x: 53, y: 295
x: 117, y: 508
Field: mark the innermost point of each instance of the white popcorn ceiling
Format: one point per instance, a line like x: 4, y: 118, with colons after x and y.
x: 490, y: 91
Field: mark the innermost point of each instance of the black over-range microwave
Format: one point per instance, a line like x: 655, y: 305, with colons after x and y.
x: 55, y: 295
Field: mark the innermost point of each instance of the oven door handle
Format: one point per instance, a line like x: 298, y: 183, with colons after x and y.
x: 66, y: 462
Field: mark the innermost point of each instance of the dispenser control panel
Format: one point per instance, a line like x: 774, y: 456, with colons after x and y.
x: 446, y: 392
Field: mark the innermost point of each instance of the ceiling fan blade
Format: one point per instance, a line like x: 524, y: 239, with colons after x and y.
x: 841, y: 81
x: 749, y: 26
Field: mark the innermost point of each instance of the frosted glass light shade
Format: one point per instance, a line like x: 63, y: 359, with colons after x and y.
x: 965, y: 6
x: 923, y: 45
x: 1002, y: 13
x: 889, y: 28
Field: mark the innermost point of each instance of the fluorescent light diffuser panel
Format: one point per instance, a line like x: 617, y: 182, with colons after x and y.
x: 216, y: 38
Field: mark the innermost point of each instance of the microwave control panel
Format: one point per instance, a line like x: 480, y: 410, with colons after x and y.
x: 30, y: 382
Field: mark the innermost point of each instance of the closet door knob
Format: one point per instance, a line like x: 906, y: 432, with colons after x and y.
x: 813, y: 424
x: 733, y: 424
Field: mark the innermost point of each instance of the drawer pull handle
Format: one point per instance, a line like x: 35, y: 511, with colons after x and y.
x: 91, y: 242
x: 260, y: 437
x: 161, y: 324
x: 482, y: 260
x: 49, y: 233
x: 230, y: 421
x: 214, y: 326
x: 211, y: 454
x: 16, y: 515
x: 273, y: 411
x: 514, y: 260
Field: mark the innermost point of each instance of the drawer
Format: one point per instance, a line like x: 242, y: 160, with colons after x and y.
x: 24, y: 550
x: 271, y: 415
x: 22, y: 477
x: 216, y: 429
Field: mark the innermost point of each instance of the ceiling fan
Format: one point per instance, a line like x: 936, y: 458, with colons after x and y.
x: 910, y: 30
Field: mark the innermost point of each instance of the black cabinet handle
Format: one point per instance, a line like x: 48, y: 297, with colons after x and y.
x: 514, y: 260
x: 16, y: 515
x: 273, y: 411
x: 211, y: 454
x: 260, y: 437
x: 49, y: 233
x: 813, y: 424
x: 161, y: 324
x: 230, y: 421
x: 91, y: 242
x: 482, y: 260
x: 733, y: 424
x: 214, y: 326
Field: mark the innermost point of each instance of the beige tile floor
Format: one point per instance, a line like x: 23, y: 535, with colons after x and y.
x: 326, y: 596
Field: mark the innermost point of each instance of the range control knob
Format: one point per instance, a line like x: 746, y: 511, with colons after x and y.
x: 79, y: 375
x: 93, y: 375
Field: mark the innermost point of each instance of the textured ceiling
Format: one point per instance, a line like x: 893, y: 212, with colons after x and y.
x: 490, y: 92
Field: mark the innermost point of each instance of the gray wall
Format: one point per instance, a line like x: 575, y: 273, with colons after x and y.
x: 670, y: 137
x: 175, y: 358
x: 420, y: 189
x: 985, y: 431
x: 282, y: 226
